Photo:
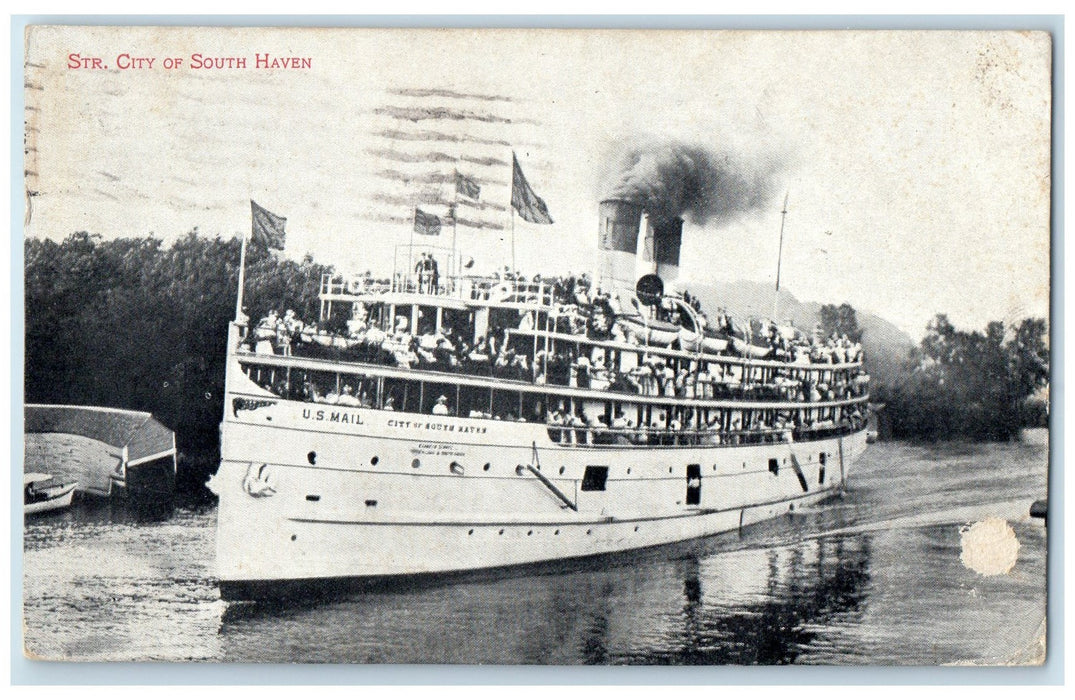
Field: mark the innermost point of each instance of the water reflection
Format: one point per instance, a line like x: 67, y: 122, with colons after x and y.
x: 712, y: 605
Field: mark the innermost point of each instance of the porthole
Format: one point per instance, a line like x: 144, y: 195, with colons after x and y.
x: 374, y: 460
x: 294, y: 537
x: 561, y: 470
x: 636, y: 528
x: 471, y: 531
x: 628, y: 470
x: 486, y: 467
x: 589, y: 531
x: 501, y: 531
x: 311, y: 457
x: 416, y: 463
x: 556, y: 532
x: 529, y: 532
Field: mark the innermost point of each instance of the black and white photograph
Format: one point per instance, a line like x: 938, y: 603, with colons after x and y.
x: 558, y: 347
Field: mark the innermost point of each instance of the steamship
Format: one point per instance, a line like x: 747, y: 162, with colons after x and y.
x: 435, y: 424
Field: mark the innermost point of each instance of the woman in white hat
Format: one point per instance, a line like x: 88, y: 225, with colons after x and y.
x: 441, y: 407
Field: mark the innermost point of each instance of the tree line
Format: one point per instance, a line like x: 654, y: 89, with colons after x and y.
x: 971, y: 384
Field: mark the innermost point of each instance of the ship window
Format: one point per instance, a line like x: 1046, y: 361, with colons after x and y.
x: 312, y: 458
x: 774, y: 465
x: 594, y: 478
x: 374, y: 460
x: 416, y: 463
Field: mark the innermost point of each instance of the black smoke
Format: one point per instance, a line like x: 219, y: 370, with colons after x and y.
x: 701, y: 185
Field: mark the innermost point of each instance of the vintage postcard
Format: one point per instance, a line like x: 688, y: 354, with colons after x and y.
x: 496, y: 346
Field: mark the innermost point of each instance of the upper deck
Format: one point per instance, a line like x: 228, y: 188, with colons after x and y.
x: 547, y: 338
x: 557, y: 351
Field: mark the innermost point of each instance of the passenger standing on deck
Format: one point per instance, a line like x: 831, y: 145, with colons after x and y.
x: 441, y: 407
x: 434, y: 275
x: 420, y: 271
x: 347, y: 397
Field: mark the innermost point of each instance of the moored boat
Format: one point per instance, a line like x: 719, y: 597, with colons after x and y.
x: 42, y: 493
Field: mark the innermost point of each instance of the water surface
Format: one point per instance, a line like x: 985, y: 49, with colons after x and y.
x: 874, y: 577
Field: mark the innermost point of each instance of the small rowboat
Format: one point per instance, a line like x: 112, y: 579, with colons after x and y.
x: 649, y: 330
x: 42, y: 494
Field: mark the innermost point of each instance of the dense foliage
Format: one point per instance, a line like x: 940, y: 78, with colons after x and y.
x: 840, y: 320
x: 129, y: 323
x: 971, y: 384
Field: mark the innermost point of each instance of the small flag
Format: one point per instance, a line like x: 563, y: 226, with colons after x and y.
x: 525, y: 201
x: 465, y: 186
x: 426, y: 224
x: 267, y: 229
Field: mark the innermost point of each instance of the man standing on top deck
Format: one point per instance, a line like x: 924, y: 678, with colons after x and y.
x: 434, y: 275
x: 420, y: 272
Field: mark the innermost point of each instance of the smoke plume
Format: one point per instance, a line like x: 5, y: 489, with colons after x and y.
x: 701, y: 185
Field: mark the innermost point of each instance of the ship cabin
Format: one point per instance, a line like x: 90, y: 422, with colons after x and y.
x: 551, y: 351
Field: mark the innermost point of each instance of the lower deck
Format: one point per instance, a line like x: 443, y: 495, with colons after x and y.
x: 380, y: 493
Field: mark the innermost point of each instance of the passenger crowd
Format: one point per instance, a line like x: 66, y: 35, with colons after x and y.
x: 515, y: 353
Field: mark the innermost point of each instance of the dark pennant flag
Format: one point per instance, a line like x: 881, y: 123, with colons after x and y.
x: 525, y: 201
x: 426, y: 224
x: 267, y: 228
x: 465, y: 186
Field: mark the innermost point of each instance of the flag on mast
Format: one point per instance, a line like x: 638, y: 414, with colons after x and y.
x: 523, y: 198
x: 267, y: 229
x: 466, y: 186
x: 426, y: 224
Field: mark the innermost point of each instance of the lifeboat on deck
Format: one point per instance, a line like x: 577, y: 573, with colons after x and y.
x: 650, y: 331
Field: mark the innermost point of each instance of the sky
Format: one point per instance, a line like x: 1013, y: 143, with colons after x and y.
x: 916, y: 165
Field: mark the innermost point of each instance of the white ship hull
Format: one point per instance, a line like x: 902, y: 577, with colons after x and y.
x: 313, y: 493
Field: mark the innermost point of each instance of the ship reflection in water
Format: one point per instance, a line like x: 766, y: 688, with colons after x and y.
x: 740, y: 606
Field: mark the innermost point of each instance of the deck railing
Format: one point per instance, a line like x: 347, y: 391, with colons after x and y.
x: 666, y: 437
x: 484, y: 289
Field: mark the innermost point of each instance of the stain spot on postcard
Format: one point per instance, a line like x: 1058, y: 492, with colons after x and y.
x: 989, y: 547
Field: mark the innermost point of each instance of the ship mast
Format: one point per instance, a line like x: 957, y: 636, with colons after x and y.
x: 779, y: 255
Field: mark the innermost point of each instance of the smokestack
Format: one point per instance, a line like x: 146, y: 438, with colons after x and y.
x: 668, y: 239
x: 664, y: 238
x: 617, y: 246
